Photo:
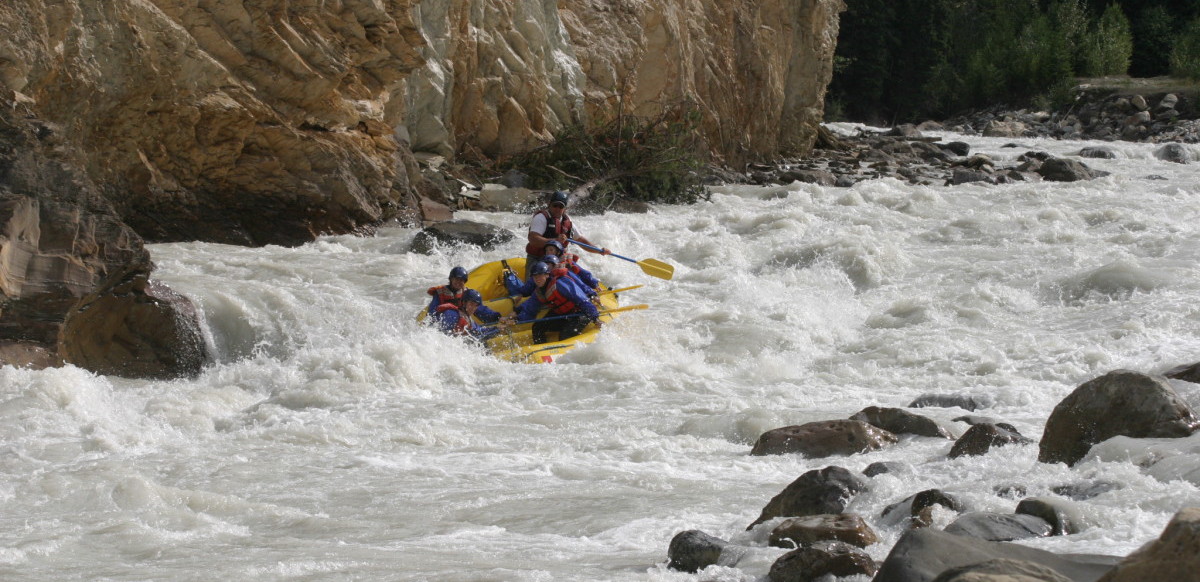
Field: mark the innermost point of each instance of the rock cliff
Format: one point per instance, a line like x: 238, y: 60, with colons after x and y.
x: 258, y: 122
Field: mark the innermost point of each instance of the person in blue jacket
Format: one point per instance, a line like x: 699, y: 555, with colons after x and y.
x: 453, y: 319
x: 450, y: 293
x: 516, y: 288
x: 564, y: 297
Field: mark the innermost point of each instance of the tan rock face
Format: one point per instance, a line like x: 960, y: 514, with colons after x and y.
x: 503, y: 75
x: 244, y: 122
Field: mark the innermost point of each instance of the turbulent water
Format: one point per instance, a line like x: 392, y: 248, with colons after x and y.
x: 336, y: 439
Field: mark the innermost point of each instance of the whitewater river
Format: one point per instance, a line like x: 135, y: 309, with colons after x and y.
x: 335, y: 439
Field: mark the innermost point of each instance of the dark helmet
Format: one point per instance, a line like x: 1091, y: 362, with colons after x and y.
x: 458, y: 273
x: 560, y: 197
x: 540, y: 268
x: 471, y: 295
x: 557, y: 245
x: 550, y: 260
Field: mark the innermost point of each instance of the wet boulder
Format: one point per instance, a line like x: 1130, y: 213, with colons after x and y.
x: 694, y: 550
x: 823, y: 439
x: 917, y: 509
x: 135, y: 329
x: 1064, y: 516
x: 1186, y: 372
x: 900, y: 421
x: 1173, y: 152
x: 844, y: 527
x: 816, y: 492
x: 1061, y: 170
x: 1175, y: 555
x: 999, y: 527
x: 980, y: 438
x: 1098, y: 152
x: 820, y: 560
x: 1120, y: 403
x: 921, y: 555
x: 460, y: 232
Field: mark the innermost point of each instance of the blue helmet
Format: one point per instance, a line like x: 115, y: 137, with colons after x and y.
x: 550, y: 260
x: 540, y: 268
x: 560, y: 197
x: 472, y: 295
x: 458, y: 273
x: 557, y: 245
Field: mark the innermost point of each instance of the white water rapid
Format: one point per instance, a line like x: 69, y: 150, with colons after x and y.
x: 335, y: 439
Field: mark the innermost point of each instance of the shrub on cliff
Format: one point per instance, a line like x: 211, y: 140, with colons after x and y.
x: 647, y: 159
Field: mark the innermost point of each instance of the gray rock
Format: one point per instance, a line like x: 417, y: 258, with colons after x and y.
x: 1173, y: 152
x: 1121, y: 402
x: 1175, y: 555
x: 1064, y: 516
x: 816, y: 492
x: 694, y: 550
x: 900, y: 421
x: 1186, y: 372
x: 460, y: 232
x: 1099, y: 152
x: 819, y: 560
x: 980, y: 438
x: 823, y: 438
x: 999, y: 527
x: 922, y: 554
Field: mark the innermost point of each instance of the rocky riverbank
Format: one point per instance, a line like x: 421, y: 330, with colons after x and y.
x: 1141, y: 411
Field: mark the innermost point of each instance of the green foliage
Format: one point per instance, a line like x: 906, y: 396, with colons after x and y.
x: 1108, y: 49
x: 1185, y: 56
x: 905, y: 60
x: 656, y: 159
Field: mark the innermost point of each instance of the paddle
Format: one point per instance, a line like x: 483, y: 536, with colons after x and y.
x: 652, y: 267
x: 602, y: 312
x: 489, y: 302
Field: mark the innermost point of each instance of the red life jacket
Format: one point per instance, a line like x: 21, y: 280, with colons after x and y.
x: 549, y: 295
x: 567, y: 261
x: 446, y: 295
x: 461, y: 325
x: 553, y: 229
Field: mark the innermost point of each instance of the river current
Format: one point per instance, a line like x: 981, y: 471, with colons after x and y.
x: 336, y: 439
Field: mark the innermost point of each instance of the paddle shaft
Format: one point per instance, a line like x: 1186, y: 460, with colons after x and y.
x: 600, y: 250
x: 552, y: 317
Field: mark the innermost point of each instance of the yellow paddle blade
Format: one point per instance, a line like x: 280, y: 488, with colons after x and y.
x: 657, y: 268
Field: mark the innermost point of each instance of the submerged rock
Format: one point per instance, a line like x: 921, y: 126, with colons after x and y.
x: 824, y: 438
x: 816, y: 492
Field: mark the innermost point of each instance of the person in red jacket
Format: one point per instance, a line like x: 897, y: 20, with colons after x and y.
x: 449, y: 293
x: 552, y: 223
x: 456, y: 319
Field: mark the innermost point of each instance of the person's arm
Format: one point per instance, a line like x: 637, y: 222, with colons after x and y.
x: 528, y: 309
x: 433, y: 303
x: 486, y: 314
x: 587, y: 277
x: 536, y: 228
